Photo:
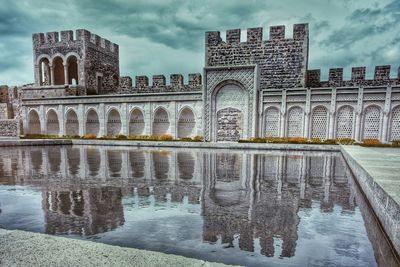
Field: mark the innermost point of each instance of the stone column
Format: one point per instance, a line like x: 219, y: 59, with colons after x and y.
x: 42, y: 118
x: 102, y: 120
x: 66, y: 74
x: 52, y: 74
x: 332, y: 113
x: 306, y: 133
x: 124, y: 119
x: 61, y: 120
x: 357, y: 135
x: 386, y: 113
x: 283, y: 114
x: 307, y: 111
x: 81, y: 119
x: 173, y: 120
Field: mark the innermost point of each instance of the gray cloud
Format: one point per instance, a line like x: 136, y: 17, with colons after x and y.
x: 168, y: 36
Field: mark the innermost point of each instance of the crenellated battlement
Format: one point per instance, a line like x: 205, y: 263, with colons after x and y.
x: 282, y: 61
x: 159, y: 84
x: 64, y: 37
x: 381, y: 77
x: 255, y: 35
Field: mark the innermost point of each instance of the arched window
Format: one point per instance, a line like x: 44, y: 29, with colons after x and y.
x: 345, y: 122
x: 33, y: 123
x: 160, y: 122
x: 136, y: 123
x: 272, y: 122
x: 295, y: 122
x: 372, y: 123
x: 72, y: 70
x: 72, y: 123
x: 44, y: 72
x: 113, y: 123
x: 52, y: 124
x: 59, y: 78
x: 92, y: 123
x: 395, y: 124
x: 319, y: 126
x: 186, y: 123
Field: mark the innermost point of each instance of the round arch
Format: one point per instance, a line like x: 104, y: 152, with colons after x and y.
x: 43, y: 63
x: 271, y: 121
x: 229, y: 108
x: 319, y: 122
x: 136, y: 122
x: 33, y: 122
x: 52, y: 123
x: 161, y: 121
x: 345, y: 122
x: 395, y: 124
x: 372, y: 120
x: 295, y: 122
x: 72, y: 123
x: 58, y: 66
x: 186, y: 122
x: 92, y: 122
x: 114, y: 125
x: 72, y: 63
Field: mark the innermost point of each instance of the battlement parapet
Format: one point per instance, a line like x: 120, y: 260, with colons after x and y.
x: 255, y: 35
x: 67, y: 36
x: 159, y: 84
x: 381, y: 77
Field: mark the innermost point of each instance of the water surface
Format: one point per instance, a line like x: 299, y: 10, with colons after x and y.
x: 255, y: 209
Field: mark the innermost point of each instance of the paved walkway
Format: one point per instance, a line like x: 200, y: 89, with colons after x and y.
x: 377, y: 170
x: 19, y: 248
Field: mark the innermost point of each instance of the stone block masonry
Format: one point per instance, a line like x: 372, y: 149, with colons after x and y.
x: 9, y: 128
x: 282, y: 62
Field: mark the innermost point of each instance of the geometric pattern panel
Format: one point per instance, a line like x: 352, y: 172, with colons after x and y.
x: 245, y: 76
x: 271, y: 122
x: 395, y: 124
x: 295, y: 122
x: 372, y: 121
x: 319, y: 123
x: 345, y: 122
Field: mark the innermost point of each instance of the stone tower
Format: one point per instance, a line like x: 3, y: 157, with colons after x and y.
x: 87, y: 61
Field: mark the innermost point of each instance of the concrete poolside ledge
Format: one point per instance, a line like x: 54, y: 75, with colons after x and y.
x: 377, y: 171
x: 20, y: 248
x: 34, y: 142
x: 166, y: 144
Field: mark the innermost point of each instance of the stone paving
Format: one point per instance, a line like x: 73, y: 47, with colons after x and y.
x: 46, y: 250
x: 377, y: 170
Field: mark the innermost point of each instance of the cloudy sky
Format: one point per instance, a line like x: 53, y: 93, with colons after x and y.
x: 167, y: 36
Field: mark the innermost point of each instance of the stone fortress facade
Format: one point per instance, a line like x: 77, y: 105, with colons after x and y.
x: 258, y: 87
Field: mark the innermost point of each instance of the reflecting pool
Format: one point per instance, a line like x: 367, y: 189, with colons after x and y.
x: 274, y: 208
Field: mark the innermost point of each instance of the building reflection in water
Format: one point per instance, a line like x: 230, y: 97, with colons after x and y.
x: 246, y: 197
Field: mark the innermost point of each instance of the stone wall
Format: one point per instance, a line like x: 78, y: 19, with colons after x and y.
x: 96, y: 57
x: 381, y: 77
x: 282, y: 62
x: 9, y: 128
x: 159, y: 84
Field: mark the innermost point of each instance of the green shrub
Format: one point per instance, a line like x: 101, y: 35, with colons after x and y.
x: 396, y: 143
x: 165, y: 137
x: 186, y: 139
x: 330, y: 141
